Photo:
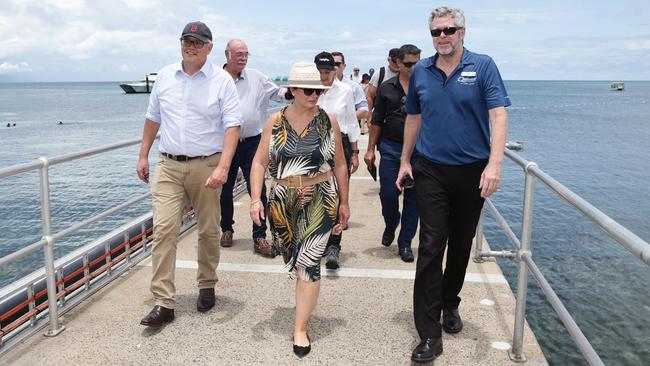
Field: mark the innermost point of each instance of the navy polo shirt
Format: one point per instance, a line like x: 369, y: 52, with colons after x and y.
x: 455, y: 126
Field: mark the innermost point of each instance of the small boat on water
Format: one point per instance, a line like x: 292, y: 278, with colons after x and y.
x: 618, y: 86
x: 515, y: 145
x: 143, y: 85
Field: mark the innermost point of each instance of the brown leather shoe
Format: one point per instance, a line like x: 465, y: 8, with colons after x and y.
x: 158, y: 316
x: 226, y: 239
x: 206, y: 300
x: 263, y: 247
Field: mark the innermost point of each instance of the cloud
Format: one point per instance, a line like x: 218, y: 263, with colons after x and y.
x: 8, y: 68
x: 641, y: 44
x: 345, y: 35
x: 127, y: 68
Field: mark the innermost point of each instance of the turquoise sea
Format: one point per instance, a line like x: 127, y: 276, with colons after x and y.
x: 591, y: 139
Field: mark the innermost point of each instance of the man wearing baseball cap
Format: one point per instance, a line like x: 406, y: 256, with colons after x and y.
x: 195, y: 107
x: 339, y: 102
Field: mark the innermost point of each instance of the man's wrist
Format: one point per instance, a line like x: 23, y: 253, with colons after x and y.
x: 355, y: 151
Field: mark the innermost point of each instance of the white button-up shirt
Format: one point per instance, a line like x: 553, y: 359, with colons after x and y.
x: 339, y: 102
x: 255, y: 90
x: 193, y: 111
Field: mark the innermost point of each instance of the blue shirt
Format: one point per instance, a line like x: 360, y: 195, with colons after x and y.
x: 193, y: 111
x: 455, y: 126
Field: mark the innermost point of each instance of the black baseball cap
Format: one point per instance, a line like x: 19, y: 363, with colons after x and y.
x: 324, y: 60
x: 197, y: 30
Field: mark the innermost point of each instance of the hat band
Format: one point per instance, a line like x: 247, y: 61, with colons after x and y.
x: 305, y: 82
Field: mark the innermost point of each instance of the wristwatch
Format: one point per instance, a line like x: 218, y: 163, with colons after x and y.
x: 355, y: 151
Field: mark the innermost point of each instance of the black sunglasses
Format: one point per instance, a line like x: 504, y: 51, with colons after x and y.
x: 308, y: 91
x: 448, y: 31
x: 409, y: 64
x: 337, y: 64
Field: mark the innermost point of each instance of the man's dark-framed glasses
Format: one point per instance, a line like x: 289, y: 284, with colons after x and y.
x: 337, y: 63
x: 448, y: 31
x: 186, y: 42
x: 309, y: 91
x: 409, y: 64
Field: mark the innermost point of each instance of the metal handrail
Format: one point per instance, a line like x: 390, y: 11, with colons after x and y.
x: 48, y: 239
x: 630, y: 241
x: 42, y: 162
x: 619, y: 233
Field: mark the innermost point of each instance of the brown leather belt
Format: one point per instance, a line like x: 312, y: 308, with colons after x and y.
x: 301, y: 181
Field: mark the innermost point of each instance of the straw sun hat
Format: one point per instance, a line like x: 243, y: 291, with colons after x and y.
x: 304, y: 75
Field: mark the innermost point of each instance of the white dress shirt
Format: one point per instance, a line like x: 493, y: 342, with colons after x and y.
x: 339, y: 102
x: 255, y: 90
x: 193, y: 111
x: 355, y: 78
x: 360, y: 101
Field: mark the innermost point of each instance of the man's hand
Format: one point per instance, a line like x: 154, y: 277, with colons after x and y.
x: 257, y: 212
x: 217, y: 178
x: 354, y: 163
x: 404, y: 170
x: 143, y: 169
x: 490, y: 179
x: 369, y: 157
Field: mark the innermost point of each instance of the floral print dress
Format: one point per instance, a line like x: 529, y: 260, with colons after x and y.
x: 302, y: 219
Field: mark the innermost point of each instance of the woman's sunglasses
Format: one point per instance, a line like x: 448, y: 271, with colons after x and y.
x: 448, y: 31
x: 308, y: 91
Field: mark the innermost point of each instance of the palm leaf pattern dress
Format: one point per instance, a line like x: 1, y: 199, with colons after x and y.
x: 301, y: 219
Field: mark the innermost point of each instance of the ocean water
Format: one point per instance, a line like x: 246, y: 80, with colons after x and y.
x: 591, y: 139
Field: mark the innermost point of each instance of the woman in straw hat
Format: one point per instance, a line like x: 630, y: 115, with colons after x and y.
x: 301, y: 147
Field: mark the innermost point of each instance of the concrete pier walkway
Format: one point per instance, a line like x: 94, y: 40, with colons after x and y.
x: 364, y: 314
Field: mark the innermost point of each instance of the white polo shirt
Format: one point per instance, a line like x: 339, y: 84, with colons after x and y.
x: 339, y: 102
x: 255, y: 90
x: 193, y: 111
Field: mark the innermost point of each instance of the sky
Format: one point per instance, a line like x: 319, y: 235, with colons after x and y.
x: 121, y: 40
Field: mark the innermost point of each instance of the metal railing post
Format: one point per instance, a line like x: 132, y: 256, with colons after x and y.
x: 46, y: 218
x: 517, y: 352
x: 478, y: 243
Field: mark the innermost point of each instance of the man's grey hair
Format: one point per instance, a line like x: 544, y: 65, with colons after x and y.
x: 233, y: 41
x: 445, y: 11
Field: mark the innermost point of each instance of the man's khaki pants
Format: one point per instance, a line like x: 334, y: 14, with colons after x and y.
x: 173, y: 181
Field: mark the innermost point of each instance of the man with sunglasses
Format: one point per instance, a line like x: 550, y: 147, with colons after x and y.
x: 457, y: 121
x: 360, y: 102
x: 195, y: 106
x: 387, y: 134
x: 339, y: 102
x: 254, y: 90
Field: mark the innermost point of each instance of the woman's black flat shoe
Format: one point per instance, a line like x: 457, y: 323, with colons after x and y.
x: 301, y: 351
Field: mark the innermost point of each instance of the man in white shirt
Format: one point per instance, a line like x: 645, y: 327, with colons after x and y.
x: 254, y: 90
x: 382, y: 75
x: 339, y: 102
x: 356, y: 76
x: 195, y: 106
x: 360, y: 102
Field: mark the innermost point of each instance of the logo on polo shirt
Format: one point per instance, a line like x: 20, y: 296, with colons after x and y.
x: 467, y: 78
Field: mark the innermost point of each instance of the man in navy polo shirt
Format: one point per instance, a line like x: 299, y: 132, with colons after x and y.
x: 456, y: 118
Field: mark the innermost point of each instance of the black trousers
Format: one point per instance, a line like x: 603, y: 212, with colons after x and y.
x: 335, y: 240
x: 449, y: 204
